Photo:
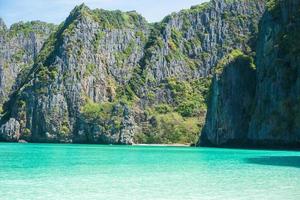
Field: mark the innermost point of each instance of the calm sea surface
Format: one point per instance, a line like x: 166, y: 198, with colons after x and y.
x: 94, y: 172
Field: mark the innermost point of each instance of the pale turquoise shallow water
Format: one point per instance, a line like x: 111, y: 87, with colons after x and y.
x: 84, y: 172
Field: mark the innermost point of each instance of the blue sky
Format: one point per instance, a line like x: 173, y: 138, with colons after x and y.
x: 56, y: 11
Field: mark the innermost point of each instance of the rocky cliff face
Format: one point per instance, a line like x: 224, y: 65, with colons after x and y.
x: 231, y: 101
x: 270, y: 114
x: 110, y: 77
x: 83, y: 62
x: 19, y: 46
x: 276, y: 117
x: 180, y: 54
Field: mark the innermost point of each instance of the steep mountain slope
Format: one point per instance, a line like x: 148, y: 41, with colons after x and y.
x: 79, y: 63
x: 110, y: 77
x: 276, y: 117
x: 19, y: 46
x: 268, y: 116
x: 231, y: 99
x: 179, y: 57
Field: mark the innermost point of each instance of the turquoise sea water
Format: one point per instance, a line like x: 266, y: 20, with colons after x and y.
x: 84, y: 172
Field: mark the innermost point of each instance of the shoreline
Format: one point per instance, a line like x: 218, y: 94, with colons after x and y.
x: 245, y: 147
x: 163, y: 145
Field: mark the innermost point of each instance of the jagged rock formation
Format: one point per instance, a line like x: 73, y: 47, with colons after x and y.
x: 19, y: 46
x: 270, y: 114
x: 231, y: 100
x: 276, y: 117
x: 91, y: 52
x: 110, y: 77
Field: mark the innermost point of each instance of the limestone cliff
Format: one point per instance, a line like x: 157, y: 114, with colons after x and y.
x: 111, y: 77
x: 276, y: 117
x: 231, y: 101
x: 19, y: 46
x: 268, y: 116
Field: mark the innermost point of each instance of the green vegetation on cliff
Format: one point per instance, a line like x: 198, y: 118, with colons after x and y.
x: 169, y: 128
x: 233, y: 55
x: 111, y: 77
x: 37, y: 27
x: 273, y: 7
x: 107, y: 114
x: 181, y: 121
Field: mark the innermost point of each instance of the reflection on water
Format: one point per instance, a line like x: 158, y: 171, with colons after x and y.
x: 287, y: 161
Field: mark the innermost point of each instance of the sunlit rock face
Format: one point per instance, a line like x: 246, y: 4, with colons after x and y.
x: 111, y: 77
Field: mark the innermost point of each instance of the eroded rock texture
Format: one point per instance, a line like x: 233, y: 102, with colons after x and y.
x: 268, y: 116
x: 111, y: 77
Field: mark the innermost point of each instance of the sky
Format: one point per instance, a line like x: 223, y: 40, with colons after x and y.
x: 55, y: 11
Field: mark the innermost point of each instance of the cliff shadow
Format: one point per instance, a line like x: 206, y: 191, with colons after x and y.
x: 283, y: 161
